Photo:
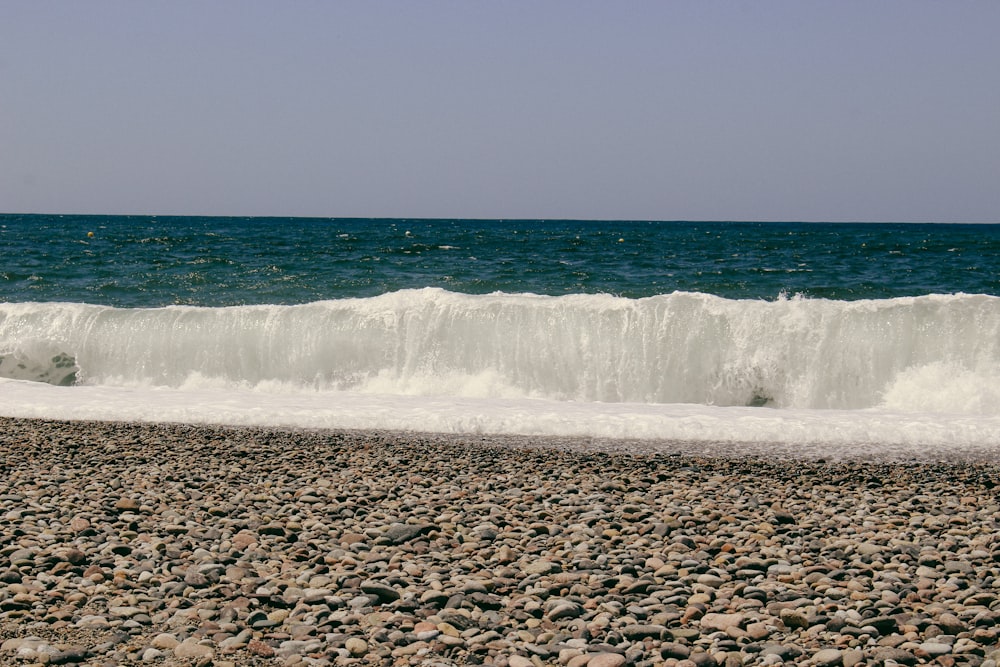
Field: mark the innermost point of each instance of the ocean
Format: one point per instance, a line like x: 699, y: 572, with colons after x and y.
x: 803, y: 338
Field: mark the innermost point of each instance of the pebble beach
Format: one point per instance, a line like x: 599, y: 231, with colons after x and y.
x: 169, y: 544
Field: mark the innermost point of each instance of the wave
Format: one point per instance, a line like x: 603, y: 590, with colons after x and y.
x: 934, y: 353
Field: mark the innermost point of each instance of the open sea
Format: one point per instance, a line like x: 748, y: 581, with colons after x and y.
x: 829, y: 339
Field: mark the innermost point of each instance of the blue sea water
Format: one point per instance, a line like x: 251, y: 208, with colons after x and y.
x: 139, y: 261
x: 728, y: 331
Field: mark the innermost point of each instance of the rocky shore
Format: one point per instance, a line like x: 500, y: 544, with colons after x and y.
x: 180, y: 545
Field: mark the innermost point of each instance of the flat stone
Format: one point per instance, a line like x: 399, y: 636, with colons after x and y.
x: 195, y: 579
x: 190, y: 648
x: 675, y: 651
x: 935, y: 649
x: 124, y: 612
x: 15, y: 643
x: 244, y: 539
x: 19, y: 556
x: 899, y: 655
x: 127, y: 505
x: 607, y: 660
x: 634, y: 632
x: 758, y: 631
x: 702, y: 659
x: 165, y: 641
x: 869, y: 549
x: 398, y: 533
x: 852, y: 657
x: 448, y: 630
x: 95, y: 621
x: 69, y: 655
x: 541, y: 567
x: 565, y: 609
x: 296, y: 647
x: 383, y: 592
x: 721, y: 622
x: 784, y: 651
x: 828, y: 657
x: 950, y: 623
x: 275, y: 529
x: 711, y: 580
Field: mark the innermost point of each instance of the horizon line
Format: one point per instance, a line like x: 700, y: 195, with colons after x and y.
x: 504, y: 219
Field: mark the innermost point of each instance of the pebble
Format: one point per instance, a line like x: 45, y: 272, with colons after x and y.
x: 519, y: 661
x: 935, y: 649
x: 164, y: 641
x: 356, y: 646
x: 143, y: 544
x: 723, y: 622
x: 607, y: 660
x: 192, y: 648
x: 828, y: 657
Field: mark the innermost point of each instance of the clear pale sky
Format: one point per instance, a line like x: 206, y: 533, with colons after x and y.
x: 701, y: 110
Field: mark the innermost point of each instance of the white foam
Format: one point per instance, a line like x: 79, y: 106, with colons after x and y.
x: 940, y: 385
x: 674, y: 348
x: 914, y: 374
x: 816, y: 433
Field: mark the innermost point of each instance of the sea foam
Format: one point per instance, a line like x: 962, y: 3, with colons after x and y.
x: 938, y: 353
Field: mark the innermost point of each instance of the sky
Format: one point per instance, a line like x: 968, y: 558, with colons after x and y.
x: 701, y: 110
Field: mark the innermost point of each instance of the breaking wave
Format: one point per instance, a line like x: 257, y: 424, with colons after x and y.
x: 934, y: 353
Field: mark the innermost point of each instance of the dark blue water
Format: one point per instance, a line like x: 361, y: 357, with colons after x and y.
x: 141, y: 261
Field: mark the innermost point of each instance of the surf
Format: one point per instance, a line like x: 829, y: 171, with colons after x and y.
x: 934, y: 352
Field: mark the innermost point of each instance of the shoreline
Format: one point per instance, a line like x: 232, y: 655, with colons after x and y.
x: 803, y: 450
x: 174, y: 544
